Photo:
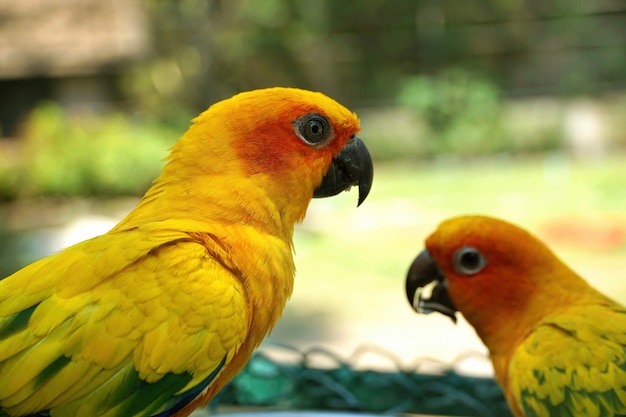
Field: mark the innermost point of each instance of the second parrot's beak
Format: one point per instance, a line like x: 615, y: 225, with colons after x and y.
x: 424, y: 274
x: 351, y: 167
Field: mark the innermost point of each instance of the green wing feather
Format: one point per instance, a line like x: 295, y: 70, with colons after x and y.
x: 126, y: 324
x: 573, y: 365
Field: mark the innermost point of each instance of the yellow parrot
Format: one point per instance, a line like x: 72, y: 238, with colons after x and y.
x: 558, y: 346
x: 154, y: 317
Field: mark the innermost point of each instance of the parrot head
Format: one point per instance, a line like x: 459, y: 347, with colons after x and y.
x: 488, y: 270
x: 289, y: 145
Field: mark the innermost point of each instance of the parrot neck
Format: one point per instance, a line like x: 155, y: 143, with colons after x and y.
x: 518, y: 312
x: 238, y: 223
x: 241, y: 227
x: 219, y: 200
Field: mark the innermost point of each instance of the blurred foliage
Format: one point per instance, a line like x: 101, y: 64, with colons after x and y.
x: 364, y: 51
x: 462, y: 112
x: 454, y: 64
x: 88, y: 155
x: 458, y: 112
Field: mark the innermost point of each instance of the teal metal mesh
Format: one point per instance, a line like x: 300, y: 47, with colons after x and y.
x: 297, y: 385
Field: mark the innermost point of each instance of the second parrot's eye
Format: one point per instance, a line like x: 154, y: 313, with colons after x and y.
x: 313, y: 128
x: 469, y: 261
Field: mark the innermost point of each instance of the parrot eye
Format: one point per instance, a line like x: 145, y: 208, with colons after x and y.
x: 469, y: 261
x: 313, y: 128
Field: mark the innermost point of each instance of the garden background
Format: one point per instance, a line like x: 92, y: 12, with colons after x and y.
x: 510, y: 108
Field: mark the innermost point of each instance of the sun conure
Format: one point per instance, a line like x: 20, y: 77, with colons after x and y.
x: 154, y: 317
x: 558, y: 346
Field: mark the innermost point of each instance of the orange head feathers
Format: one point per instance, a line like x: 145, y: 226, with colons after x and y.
x: 261, y: 155
x: 491, y: 271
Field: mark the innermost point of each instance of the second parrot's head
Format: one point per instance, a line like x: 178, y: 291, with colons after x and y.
x: 487, y: 269
x: 293, y: 144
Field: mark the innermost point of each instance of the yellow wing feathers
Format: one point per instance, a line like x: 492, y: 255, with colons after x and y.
x: 573, y: 364
x: 169, y: 309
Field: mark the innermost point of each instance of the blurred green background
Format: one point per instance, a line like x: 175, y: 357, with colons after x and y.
x: 505, y: 107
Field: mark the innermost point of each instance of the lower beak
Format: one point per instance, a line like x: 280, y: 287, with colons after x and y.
x: 351, y: 167
x: 425, y: 274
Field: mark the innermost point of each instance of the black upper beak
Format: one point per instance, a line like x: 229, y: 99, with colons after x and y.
x: 423, y: 272
x: 352, y: 166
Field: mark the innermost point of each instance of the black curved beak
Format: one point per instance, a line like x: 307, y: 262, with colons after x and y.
x: 425, y: 274
x: 351, y: 167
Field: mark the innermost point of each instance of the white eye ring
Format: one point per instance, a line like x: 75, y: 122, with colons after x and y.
x: 469, y: 261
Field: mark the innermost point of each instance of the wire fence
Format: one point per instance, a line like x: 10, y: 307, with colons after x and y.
x: 300, y: 383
